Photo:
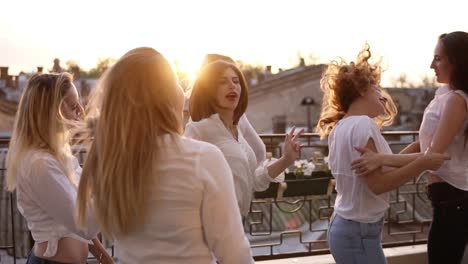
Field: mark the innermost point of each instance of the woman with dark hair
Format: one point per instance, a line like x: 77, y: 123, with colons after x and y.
x: 444, y: 129
x: 354, y: 109
x: 218, y: 100
x: 250, y: 135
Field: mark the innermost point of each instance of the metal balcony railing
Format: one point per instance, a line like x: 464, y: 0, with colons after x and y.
x: 287, y: 220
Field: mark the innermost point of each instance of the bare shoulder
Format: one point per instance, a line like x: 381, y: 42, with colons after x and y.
x: 456, y: 102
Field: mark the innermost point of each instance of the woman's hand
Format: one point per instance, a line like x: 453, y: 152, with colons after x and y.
x: 433, y: 161
x: 292, y: 146
x: 367, y: 163
x: 100, y: 253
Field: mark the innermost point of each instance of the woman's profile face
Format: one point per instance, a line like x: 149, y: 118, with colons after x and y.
x: 375, y: 101
x: 441, y: 65
x: 71, y: 108
x: 228, y: 90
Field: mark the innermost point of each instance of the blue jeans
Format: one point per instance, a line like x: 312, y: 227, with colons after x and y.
x: 33, y: 259
x: 353, y: 242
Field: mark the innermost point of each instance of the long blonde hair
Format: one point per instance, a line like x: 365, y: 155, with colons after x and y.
x: 136, y: 102
x: 39, y: 124
x: 342, y: 83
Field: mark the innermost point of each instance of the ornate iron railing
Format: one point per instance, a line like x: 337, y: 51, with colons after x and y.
x: 292, y: 219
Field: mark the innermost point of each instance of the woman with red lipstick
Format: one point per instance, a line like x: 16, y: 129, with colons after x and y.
x: 444, y: 129
x: 218, y: 100
x: 249, y: 133
x: 353, y: 110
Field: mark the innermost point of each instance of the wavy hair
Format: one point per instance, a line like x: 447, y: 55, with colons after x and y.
x: 343, y: 82
x: 40, y: 124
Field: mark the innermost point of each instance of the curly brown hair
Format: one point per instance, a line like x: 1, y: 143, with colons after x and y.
x: 343, y: 82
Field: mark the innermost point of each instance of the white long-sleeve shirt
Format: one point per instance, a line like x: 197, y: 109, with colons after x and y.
x: 47, y: 200
x: 193, y: 215
x: 254, y: 140
x: 248, y: 176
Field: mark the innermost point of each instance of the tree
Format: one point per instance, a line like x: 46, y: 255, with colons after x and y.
x: 101, y: 66
x: 402, y: 81
x: 427, y: 81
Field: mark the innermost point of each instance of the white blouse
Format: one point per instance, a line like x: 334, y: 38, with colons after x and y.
x: 248, y: 176
x: 455, y: 170
x: 193, y: 216
x: 47, y: 200
x: 354, y: 200
x: 254, y: 140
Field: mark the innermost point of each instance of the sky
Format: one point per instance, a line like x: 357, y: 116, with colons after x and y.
x: 270, y: 32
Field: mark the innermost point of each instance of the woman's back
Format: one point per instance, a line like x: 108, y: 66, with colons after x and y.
x: 192, y: 210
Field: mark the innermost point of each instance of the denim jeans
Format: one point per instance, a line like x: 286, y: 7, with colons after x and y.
x: 33, y: 259
x: 353, y: 242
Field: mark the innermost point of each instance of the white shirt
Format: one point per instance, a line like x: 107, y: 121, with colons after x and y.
x: 455, y: 170
x: 354, y: 200
x: 47, y: 200
x: 248, y: 176
x: 193, y: 216
x: 254, y: 140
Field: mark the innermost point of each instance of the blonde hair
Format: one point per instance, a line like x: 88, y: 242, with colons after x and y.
x: 136, y: 102
x: 202, y: 103
x: 39, y: 124
x: 342, y: 83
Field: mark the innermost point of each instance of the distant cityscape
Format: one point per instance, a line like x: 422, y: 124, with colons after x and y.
x: 277, y: 101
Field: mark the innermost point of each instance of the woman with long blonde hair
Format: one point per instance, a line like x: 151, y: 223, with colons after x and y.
x: 354, y: 108
x: 164, y: 198
x: 45, y: 174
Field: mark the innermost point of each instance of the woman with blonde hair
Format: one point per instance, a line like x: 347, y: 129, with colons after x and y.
x: 164, y: 198
x: 218, y: 100
x: 354, y: 108
x: 45, y: 174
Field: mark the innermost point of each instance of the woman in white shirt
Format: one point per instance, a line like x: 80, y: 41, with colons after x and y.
x: 444, y: 129
x: 249, y: 133
x: 354, y: 108
x: 218, y: 100
x: 164, y: 198
x: 45, y: 174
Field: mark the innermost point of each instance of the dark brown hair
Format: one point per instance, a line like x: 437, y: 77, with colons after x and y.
x: 455, y: 46
x: 203, y: 97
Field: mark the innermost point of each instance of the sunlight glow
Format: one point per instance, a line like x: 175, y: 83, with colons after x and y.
x: 33, y: 33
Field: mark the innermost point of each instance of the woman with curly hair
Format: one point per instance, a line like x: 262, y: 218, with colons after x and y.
x: 444, y: 129
x: 354, y: 108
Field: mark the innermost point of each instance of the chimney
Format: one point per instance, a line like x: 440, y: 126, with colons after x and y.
x: 3, y: 73
x: 302, y: 62
x: 75, y: 70
x: 39, y: 69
